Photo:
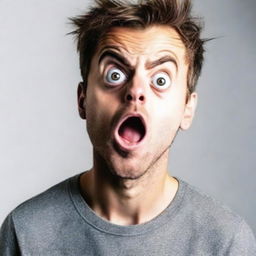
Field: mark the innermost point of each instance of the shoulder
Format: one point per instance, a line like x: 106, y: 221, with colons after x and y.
x: 215, y: 221
x: 31, y: 223
x: 207, y: 209
x: 44, y: 206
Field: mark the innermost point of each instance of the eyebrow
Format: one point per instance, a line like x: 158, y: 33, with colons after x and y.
x: 115, y: 55
x: 160, y: 61
x: 148, y: 65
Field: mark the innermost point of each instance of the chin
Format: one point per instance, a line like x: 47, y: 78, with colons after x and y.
x: 127, y: 168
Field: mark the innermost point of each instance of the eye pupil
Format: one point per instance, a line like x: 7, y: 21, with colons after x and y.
x: 161, y: 81
x: 115, y: 76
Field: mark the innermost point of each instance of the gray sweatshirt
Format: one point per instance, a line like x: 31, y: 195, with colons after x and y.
x: 59, y: 222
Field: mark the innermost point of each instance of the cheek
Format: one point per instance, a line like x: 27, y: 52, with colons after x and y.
x: 99, y: 112
x: 168, y: 116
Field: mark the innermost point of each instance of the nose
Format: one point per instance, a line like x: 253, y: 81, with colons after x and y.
x: 136, y: 92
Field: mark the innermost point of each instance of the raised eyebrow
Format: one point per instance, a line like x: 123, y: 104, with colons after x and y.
x: 160, y: 61
x: 115, y: 55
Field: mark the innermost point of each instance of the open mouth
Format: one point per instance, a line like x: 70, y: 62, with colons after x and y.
x: 132, y: 131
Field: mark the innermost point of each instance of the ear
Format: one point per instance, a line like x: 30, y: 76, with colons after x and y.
x: 81, y: 96
x: 189, y: 111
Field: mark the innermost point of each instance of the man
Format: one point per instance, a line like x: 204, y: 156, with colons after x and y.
x: 139, y: 64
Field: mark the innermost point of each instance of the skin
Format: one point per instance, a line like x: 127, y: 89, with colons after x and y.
x: 129, y: 187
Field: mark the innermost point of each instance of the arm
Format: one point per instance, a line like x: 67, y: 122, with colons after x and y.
x: 243, y: 242
x: 8, y: 240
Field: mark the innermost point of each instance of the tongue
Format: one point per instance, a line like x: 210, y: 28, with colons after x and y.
x: 130, y: 134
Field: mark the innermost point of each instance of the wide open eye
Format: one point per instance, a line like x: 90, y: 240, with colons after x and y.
x: 115, y: 76
x: 161, y: 80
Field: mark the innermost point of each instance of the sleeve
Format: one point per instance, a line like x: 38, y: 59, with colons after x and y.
x: 8, y: 240
x: 243, y: 242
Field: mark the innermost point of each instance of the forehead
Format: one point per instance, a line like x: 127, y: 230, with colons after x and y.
x: 147, y: 43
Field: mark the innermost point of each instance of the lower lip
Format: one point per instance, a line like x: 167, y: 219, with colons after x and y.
x: 126, y: 145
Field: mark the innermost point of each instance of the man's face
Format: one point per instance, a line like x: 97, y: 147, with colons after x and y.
x: 136, y: 97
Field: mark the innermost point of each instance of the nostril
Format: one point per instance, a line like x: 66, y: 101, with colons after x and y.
x: 141, y: 98
x: 129, y: 97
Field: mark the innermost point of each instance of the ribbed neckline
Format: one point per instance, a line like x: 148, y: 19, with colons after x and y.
x: 105, y: 226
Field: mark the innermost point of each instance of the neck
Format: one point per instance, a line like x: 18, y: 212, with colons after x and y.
x: 128, y: 201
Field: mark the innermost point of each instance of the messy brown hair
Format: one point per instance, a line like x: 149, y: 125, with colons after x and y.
x: 106, y: 14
